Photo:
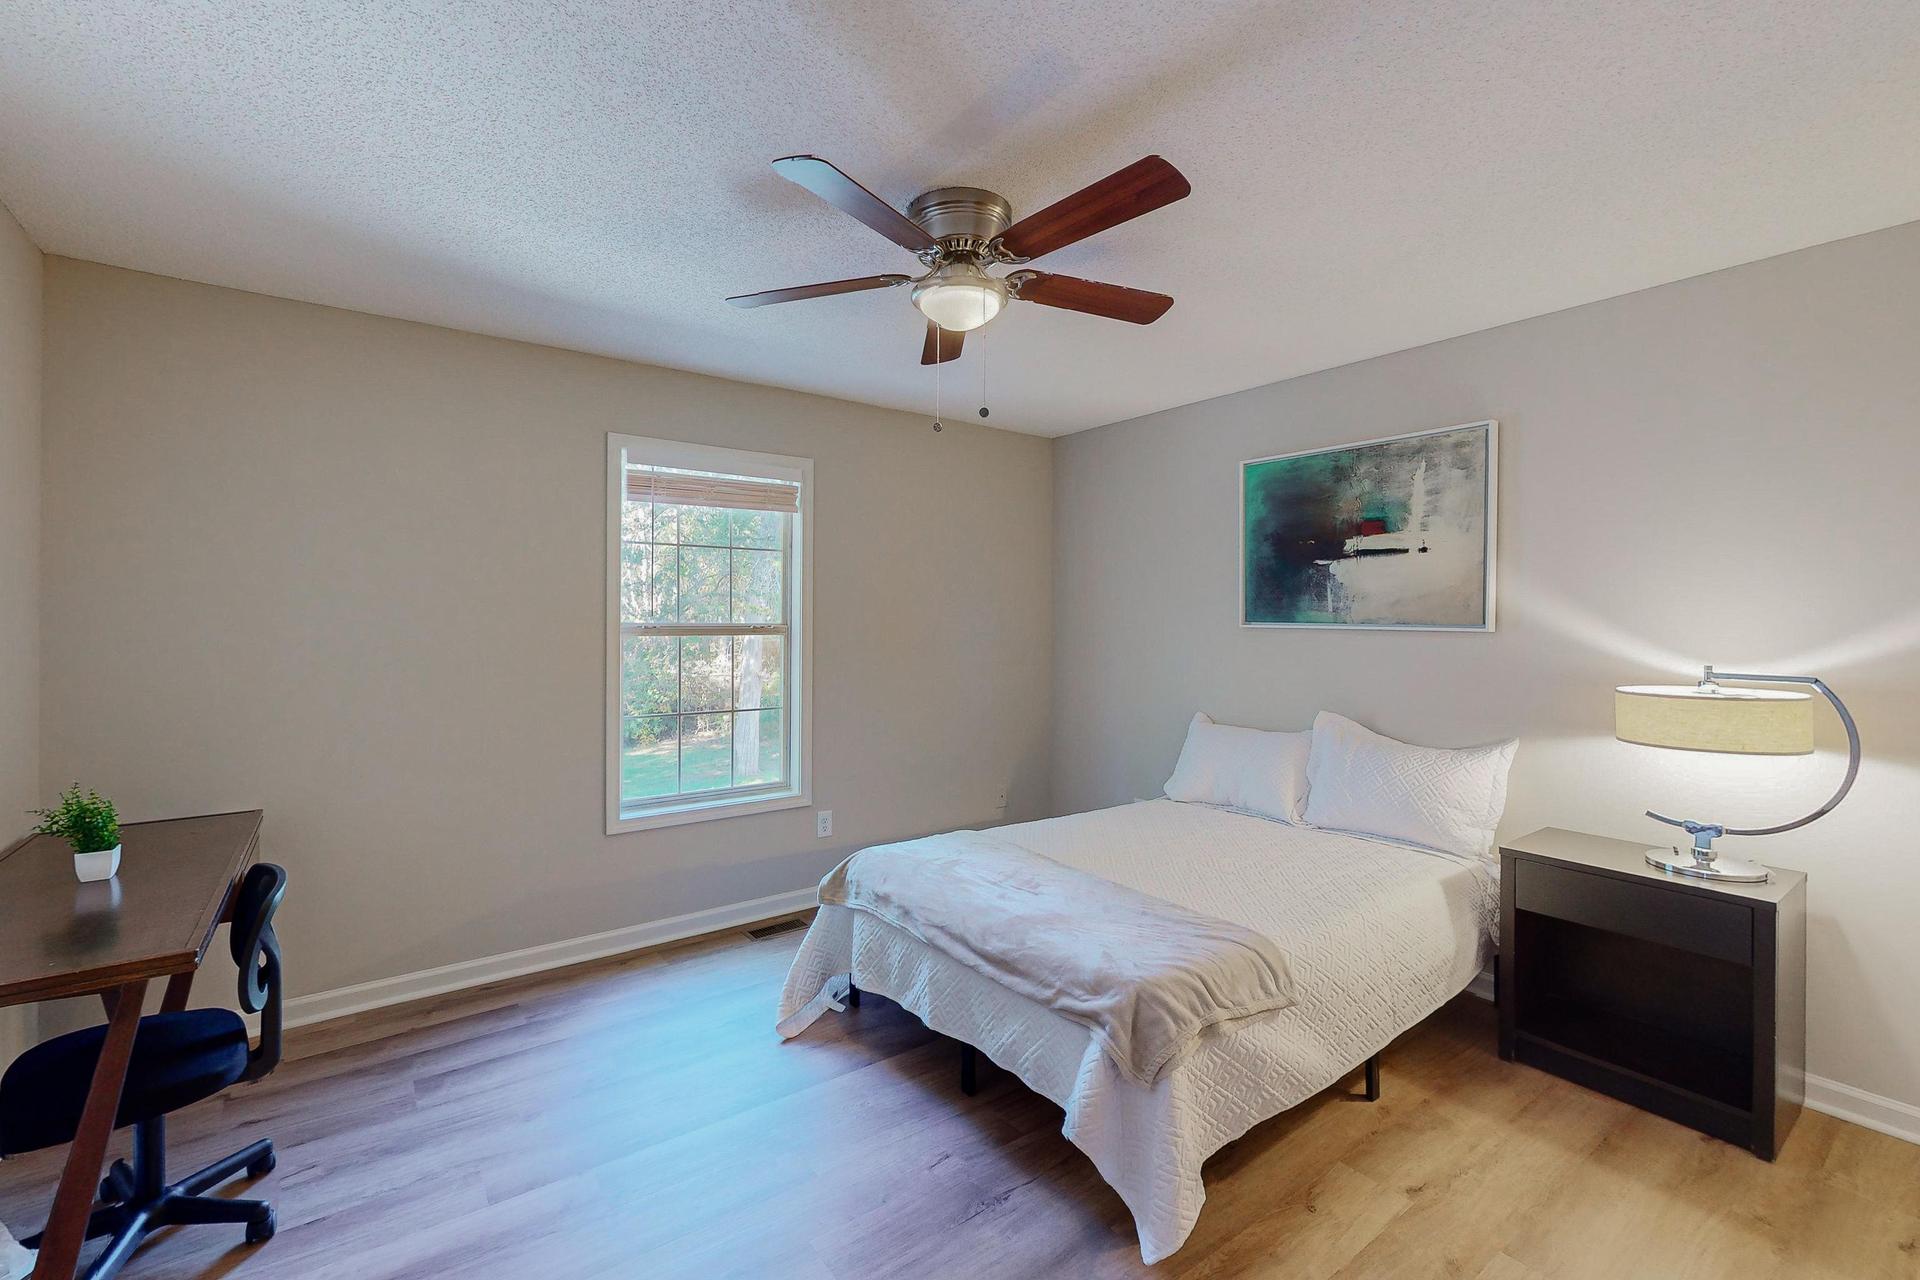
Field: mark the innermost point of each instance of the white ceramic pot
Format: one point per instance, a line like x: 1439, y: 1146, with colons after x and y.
x: 97, y: 866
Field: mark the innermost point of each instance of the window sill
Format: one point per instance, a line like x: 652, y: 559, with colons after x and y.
x: 708, y: 811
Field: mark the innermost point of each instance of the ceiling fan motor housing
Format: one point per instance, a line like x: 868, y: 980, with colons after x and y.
x: 963, y: 219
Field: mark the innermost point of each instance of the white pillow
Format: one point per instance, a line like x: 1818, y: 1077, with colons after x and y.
x: 1441, y: 799
x: 1249, y: 769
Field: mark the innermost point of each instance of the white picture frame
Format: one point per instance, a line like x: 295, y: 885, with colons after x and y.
x: 1489, y: 429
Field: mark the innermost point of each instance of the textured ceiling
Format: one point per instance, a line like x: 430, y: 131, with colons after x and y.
x: 1367, y: 176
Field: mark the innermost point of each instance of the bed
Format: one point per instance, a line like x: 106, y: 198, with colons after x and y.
x: 1378, y: 935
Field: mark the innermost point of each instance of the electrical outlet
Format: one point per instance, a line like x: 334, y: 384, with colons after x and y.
x: 823, y: 823
x: 1002, y: 802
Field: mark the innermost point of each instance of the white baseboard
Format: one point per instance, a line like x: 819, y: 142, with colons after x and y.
x: 1890, y: 1116
x: 323, y: 1005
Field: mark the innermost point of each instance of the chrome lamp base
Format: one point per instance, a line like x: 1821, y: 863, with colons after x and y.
x: 1688, y: 862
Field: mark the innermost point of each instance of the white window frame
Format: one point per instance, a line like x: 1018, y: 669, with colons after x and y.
x: 771, y: 466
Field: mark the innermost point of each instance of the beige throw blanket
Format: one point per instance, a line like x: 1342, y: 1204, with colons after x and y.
x: 1143, y: 975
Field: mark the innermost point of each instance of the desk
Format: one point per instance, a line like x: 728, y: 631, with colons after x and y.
x: 61, y: 938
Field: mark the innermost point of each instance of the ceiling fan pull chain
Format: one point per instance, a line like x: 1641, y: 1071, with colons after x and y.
x: 983, y: 374
x: 936, y: 377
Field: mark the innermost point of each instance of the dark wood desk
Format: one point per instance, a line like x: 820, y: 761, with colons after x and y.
x: 59, y: 938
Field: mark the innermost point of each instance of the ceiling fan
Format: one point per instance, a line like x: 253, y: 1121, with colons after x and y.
x: 959, y: 232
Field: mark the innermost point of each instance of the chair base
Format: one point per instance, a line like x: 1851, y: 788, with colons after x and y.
x: 137, y: 1200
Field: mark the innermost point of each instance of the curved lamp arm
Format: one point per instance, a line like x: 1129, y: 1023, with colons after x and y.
x: 1846, y: 783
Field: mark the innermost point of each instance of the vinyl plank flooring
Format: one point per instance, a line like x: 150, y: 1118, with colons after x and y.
x: 638, y: 1116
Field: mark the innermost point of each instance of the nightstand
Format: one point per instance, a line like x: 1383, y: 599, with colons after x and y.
x: 1685, y: 998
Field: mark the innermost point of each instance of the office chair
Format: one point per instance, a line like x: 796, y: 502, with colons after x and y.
x: 178, y: 1059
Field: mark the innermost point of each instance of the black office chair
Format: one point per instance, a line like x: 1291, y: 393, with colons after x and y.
x: 178, y: 1059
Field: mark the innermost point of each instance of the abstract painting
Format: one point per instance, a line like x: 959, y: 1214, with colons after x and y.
x: 1397, y: 533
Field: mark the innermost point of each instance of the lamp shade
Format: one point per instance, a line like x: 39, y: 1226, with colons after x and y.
x: 1765, y: 722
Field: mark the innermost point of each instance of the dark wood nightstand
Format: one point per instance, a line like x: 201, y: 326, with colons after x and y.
x: 1680, y: 996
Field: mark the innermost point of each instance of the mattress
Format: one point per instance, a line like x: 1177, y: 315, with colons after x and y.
x: 1379, y: 935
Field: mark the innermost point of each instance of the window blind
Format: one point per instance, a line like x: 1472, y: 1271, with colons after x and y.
x: 739, y: 493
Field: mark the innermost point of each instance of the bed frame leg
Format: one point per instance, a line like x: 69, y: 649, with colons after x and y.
x: 853, y: 994
x: 1373, y: 1078
x: 969, y: 1070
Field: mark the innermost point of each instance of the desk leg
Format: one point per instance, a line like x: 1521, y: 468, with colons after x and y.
x: 179, y: 988
x: 67, y: 1224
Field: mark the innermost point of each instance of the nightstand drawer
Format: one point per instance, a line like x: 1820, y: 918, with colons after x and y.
x: 1651, y: 913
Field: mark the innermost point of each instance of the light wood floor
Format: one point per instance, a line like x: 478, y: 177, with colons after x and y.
x: 638, y: 1118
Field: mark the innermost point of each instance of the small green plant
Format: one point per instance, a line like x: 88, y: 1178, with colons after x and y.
x: 87, y: 822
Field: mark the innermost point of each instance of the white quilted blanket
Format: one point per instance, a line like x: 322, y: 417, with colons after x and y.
x: 1378, y: 936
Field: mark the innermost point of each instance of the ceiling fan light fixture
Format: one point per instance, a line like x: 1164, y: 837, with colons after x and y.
x: 959, y: 296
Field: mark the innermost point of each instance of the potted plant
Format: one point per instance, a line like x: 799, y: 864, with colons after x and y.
x: 89, y: 823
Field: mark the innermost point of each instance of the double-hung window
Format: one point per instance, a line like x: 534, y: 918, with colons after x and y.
x: 706, y: 649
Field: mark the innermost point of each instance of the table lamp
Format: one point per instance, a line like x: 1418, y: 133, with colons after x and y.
x: 1708, y: 717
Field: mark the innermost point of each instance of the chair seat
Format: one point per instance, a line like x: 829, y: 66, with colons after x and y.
x: 178, y: 1059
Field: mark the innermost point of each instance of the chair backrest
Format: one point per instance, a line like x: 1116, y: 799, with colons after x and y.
x: 256, y: 949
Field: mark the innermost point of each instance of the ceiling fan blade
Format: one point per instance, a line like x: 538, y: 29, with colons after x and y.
x: 824, y: 290
x: 849, y: 197
x: 1141, y: 187
x: 948, y: 345
x: 1116, y: 302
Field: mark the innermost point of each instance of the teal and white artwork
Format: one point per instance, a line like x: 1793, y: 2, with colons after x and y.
x: 1389, y: 533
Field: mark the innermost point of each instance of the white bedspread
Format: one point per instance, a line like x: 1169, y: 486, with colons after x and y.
x: 1378, y: 936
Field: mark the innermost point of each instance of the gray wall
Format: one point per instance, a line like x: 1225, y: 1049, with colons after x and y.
x: 1721, y: 470
x: 20, y: 286
x: 350, y: 570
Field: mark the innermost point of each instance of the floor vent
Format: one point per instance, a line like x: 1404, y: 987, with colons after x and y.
x: 777, y: 928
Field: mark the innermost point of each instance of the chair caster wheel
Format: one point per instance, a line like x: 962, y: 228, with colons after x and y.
x: 263, y: 1166
x: 260, y: 1230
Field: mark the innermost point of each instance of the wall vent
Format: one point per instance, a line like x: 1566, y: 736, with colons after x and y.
x: 777, y: 928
